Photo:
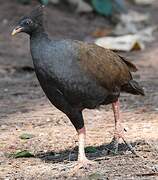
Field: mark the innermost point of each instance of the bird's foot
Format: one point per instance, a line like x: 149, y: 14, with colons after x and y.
x: 82, y: 164
x: 130, y: 147
x: 113, y: 146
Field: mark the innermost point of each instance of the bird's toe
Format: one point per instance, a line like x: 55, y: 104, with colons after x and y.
x: 85, y: 164
x: 112, y: 147
x: 82, y: 164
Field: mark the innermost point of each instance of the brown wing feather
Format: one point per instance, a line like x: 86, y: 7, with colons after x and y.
x: 104, y: 65
x: 130, y: 65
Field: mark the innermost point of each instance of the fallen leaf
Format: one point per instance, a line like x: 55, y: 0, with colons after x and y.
x: 21, y: 154
x: 90, y: 149
x: 26, y: 136
x: 101, y: 32
x: 95, y: 176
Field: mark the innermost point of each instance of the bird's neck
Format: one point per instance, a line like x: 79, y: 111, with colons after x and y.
x: 38, y: 41
x: 37, y: 32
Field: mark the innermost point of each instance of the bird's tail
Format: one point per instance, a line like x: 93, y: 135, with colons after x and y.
x: 134, y: 88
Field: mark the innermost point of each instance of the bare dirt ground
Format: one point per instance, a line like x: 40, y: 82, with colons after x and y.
x: 25, y: 109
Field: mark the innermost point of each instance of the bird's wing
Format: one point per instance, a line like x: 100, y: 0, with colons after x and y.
x: 106, y: 67
x: 130, y: 65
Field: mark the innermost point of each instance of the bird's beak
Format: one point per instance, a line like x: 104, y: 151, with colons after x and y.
x: 18, y: 29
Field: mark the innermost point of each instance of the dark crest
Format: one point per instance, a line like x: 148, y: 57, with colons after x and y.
x: 37, y: 14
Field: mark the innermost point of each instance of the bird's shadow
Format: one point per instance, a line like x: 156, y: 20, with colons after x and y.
x: 93, y: 153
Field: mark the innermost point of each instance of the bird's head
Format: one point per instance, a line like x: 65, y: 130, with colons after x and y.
x: 32, y: 23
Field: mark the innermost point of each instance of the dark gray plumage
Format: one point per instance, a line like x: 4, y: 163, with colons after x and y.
x: 75, y: 75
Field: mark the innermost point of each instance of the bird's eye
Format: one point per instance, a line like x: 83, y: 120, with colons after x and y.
x: 28, y: 22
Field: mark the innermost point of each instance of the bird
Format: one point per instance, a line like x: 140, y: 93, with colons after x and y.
x: 75, y: 75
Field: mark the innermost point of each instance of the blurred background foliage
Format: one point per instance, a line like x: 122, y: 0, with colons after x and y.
x: 103, y: 7
x: 132, y: 29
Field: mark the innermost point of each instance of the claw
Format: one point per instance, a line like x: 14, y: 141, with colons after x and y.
x: 113, y: 146
x: 130, y: 147
x: 82, y: 164
x: 119, y: 131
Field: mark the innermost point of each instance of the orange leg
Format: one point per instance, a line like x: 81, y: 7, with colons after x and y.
x: 81, y: 144
x: 119, y: 130
x: 82, y: 162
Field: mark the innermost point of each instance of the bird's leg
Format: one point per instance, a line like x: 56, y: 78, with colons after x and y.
x: 81, y: 144
x: 82, y: 162
x: 82, y: 159
x: 119, y: 130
